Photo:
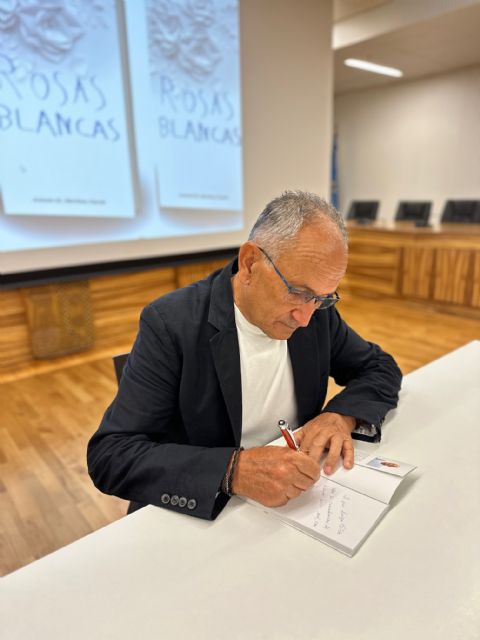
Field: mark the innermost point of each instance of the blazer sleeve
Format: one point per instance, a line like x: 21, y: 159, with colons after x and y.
x: 140, y: 451
x: 370, y: 376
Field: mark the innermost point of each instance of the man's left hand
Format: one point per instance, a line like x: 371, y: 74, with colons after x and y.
x: 330, y: 431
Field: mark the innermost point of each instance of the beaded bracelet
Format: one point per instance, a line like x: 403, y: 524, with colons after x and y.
x: 228, y: 477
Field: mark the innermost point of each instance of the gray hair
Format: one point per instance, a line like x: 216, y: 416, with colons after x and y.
x: 284, y: 216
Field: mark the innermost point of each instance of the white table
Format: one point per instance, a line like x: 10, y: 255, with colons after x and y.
x: 157, y: 574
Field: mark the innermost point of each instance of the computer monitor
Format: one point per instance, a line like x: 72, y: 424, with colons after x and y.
x: 462, y: 211
x: 363, y: 210
x: 416, y: 211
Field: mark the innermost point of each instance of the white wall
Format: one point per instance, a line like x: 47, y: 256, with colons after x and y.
x: 390, y: 16
x: 287, y: 84
x: 413, y: 141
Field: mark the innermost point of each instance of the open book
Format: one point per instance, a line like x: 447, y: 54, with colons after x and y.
x: 343, y: 508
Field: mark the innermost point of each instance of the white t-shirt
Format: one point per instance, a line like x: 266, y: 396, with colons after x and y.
x: 268, y: 393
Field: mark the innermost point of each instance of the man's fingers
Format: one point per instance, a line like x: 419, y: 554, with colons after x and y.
x: 316, y: 447
x: 307, y: 465
x: 336, y: 445
x: 303, y: 482
x: 348, y: 453
x: 299, y: 436
x: 293, y: 492
x: 306, y: 440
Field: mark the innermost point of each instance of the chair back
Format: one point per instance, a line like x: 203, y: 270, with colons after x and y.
x: 119, y: 361
x: 462, y: 211
x: 416, y: 211
x: 363, y: 210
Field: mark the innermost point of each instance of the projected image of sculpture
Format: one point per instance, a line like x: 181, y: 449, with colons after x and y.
x: 193, y: 50
x: 62, y: 110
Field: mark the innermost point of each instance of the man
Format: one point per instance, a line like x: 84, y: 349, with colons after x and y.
x: 215, y: 365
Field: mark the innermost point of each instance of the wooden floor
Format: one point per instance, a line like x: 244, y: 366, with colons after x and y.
x: 46, y: 417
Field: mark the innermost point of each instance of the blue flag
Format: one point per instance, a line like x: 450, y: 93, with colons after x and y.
x: 334, y: 183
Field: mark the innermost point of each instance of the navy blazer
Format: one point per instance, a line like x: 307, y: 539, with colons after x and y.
x: 177, y: 415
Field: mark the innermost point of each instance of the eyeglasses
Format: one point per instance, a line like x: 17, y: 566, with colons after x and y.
x: 296, y: 296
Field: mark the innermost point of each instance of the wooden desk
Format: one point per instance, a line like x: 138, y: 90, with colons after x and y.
x: 437, y: 265
x: 158, y: 574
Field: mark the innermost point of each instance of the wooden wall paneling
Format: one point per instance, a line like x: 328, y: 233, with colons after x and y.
x: 451, y: 275
x: 417, y: 272
x: 14, y: 337
x: 475, y: 296
x: 118, y: 300
x: 116, y: 303
x: 59, y: 318
x: 392, y: 261
x: 437, y: 265
x: 188, y: 273
x: 373, y: 267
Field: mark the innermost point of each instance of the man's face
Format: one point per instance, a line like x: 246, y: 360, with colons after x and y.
x: 315, y: 262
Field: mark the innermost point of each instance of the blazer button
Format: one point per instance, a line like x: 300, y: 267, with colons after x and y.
x: 182, y: 502
x: 191, y: 504
x: 165, y: 498
x: 174, y: 501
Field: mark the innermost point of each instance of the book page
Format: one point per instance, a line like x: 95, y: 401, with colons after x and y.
x: 367, y: 481
x: 337, y: 515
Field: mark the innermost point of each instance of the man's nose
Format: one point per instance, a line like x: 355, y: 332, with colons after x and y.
x: 303, y: 313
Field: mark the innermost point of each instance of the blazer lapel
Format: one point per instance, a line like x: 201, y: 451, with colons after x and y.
x: 224, y: 347
x: 226, y: 358
x: 309, y: 390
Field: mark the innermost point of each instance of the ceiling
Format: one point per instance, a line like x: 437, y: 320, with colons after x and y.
x: 343, y: 9
x: 438, y: 45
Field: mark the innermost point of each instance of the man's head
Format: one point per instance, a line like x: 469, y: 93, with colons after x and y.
x: 297, y: 246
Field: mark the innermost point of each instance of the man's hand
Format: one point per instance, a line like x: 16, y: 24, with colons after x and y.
x: 330, y: 431
x: 274, y: 475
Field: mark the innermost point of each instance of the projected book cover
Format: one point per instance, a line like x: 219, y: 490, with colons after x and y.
x: 63, y: 127
x: 190, y: 58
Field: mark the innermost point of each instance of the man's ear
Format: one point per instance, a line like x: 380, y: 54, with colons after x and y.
x: 247, y: 257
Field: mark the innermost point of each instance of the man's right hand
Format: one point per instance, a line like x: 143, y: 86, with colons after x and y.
x: 273, y: 475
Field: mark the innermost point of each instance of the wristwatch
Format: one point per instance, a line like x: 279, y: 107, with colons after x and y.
x: 367, y: 431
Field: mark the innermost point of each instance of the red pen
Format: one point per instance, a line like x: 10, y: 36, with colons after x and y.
x: 287, y: 433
